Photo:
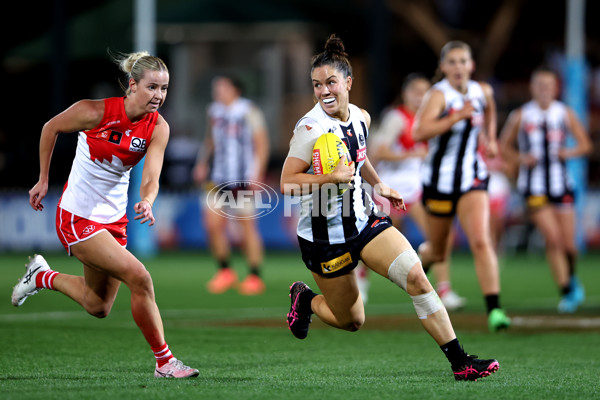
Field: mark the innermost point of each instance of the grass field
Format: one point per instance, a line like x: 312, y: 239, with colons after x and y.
x: 51, y: 349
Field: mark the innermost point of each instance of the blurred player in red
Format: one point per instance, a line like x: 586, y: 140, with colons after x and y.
x: 398, y: 159
x: 534, y: 136
x: 499, y: 189
x: 91, y: 221
x: 232, y: 160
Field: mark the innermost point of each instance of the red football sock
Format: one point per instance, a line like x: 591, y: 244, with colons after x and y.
x: 443, y: 288
x: 45, y: 279
x: 162, y: 354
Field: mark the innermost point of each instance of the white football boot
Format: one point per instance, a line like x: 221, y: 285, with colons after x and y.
x: 452, y: 301
x: 26, y: 286
x: 175, y: 369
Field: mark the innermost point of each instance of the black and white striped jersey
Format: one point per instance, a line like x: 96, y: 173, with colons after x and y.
x: 542, y: 133
x: 453, y: 165
x: 232, y: 129
x: 327, y: 216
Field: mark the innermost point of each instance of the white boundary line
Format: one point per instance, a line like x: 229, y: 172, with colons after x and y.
x: 242, y: 314
x: 556, y: 322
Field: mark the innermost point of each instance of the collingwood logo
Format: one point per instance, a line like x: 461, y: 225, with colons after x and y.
x: 337, y: 263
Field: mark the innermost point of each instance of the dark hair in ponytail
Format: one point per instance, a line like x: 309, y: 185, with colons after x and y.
x: 410, y: 78
x: 454, y: 44
x: 334, y: 55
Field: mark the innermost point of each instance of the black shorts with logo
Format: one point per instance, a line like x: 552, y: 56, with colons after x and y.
x: 444, y: 205
x: 537, y: 201
x: 331, y: 260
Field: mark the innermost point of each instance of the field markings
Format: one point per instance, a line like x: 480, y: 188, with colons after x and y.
x: 556, y: 322
x: 380, y: 314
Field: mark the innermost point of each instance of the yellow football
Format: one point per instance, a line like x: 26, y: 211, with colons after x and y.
x: 327, y: 152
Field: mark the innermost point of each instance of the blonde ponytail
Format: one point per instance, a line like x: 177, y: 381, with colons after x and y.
x: 134, y: 65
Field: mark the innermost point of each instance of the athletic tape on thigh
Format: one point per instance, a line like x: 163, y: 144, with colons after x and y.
x: 426, y: 304
x: 398, y: 271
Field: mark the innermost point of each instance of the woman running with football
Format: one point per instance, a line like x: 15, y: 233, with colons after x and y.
x: 336, y: 230
x: 91, y: 221
x: 453, y: 114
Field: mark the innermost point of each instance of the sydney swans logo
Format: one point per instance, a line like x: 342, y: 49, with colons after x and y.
x: 242, y: 199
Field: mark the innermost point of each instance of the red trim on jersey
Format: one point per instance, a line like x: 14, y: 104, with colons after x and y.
x: 405, y: 137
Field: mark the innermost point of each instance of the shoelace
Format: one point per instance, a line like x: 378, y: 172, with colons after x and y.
x: 293, y: 316
x: 29, y: 275
x: 178, y: 364
x: 469, y: 356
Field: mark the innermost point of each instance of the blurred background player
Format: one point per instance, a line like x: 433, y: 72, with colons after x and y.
x: 237, y: 148
x: 454, y: 113
x: 398, y: 159
x: 499, y: 191
x: 91, y: 220
x: 535, y: 136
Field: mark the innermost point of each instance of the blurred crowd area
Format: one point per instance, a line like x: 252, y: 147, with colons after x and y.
x: 267, y: 45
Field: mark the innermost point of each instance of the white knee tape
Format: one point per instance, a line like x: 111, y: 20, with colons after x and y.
x: 426, y: 304
x: 398, y: 271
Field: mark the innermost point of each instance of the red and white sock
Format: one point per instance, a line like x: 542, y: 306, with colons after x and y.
x: 443, y: 288
x: 162, y: 354
x: 45, y: 279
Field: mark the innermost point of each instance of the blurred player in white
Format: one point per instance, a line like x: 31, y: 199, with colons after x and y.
x: 398, y: 159
x: 455, y: 114
x: 234, y: 157
x: 534, y: 136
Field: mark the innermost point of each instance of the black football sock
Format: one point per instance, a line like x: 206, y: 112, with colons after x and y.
x: 454, y: 353
x: 492, y: 301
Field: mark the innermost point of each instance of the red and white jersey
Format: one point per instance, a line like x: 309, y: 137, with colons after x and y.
x: 395, y: 132
x: 99, y: 178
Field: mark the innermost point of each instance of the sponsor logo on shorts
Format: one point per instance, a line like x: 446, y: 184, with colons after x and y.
x: 88, y: 229
x: 379, y: 221
x: 537, y: 201
x: 138, y: 145
x: 567, y: 199
x: 336, y: 264
x: 439, y: 206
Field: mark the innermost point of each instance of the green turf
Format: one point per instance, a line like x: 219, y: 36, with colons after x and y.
x: 52, y: 349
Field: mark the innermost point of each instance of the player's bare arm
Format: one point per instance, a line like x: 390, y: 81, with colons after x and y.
x: 490, y: 120
x: 84, y: 114
x: 428, y: 123
x: 151, y: 174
